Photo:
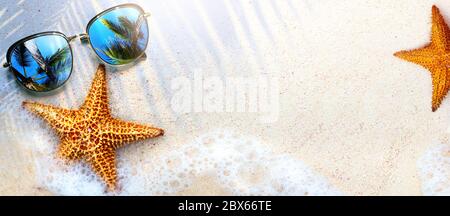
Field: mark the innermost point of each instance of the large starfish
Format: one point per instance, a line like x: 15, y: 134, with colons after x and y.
x: 435, y: 57
x: 90, y: 132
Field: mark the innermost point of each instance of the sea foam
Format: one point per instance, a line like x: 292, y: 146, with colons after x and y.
x: 434, y: 170
x: 238, y: 165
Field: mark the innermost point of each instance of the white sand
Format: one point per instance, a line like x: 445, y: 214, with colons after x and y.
x: 354, y: 117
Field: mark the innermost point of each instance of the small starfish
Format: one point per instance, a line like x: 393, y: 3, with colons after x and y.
x: 435, y: 57
x: 91, y: 133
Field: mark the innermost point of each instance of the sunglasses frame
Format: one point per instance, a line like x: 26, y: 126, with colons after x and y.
x: 84, y: 37
x: 13, y: 46
x: 128, y: 5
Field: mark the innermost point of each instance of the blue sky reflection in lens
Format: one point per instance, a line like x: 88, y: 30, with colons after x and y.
x: 119, y: 36
x: 43, y: 63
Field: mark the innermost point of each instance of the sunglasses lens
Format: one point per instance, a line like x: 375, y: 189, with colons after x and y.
x: 42, y: 63
x: 119, y: 36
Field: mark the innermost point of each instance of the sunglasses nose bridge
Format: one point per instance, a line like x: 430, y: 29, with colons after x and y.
x: 84, y: 38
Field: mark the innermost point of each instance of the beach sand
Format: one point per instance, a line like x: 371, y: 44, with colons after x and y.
x: 351, y: 118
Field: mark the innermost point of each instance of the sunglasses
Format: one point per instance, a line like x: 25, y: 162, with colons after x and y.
x: 43, y: 62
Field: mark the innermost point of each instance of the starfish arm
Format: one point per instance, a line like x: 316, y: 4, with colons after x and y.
x: 441, y: 85
x: 96, y: 103
x: 60, y: 119
x: 425, y: 56
x: 119, y: 132
x: 103, y: 161
x: 440, y: 35
x: 90, y: 132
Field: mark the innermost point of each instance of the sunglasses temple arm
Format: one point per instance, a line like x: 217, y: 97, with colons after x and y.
x: 6, y: 64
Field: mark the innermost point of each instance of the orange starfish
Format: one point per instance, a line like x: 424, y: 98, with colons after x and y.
x: 435, y: 57
x: 91, y: 133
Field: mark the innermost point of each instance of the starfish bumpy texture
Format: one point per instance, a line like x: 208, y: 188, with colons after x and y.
x: 435, y: 57
x: 90, y: 132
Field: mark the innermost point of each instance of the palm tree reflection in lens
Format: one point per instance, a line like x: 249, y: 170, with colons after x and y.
x: 50, y: 67
x: 124, y: 48
x: 24, y: 59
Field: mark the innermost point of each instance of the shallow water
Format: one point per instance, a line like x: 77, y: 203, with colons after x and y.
x: 237, y: 165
